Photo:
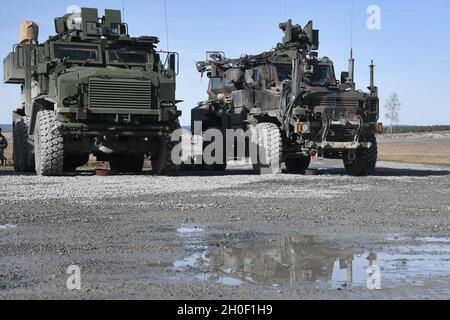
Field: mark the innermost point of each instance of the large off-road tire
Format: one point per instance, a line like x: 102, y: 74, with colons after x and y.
x: 132, y: 163
x: 218, y: 167
x: 22, y: 149
x: 202, y: 165
x: 161, y: 157
x: 297, y: 164
x: 48, y: 145
x: 366, y: 159
x: 269, y: 149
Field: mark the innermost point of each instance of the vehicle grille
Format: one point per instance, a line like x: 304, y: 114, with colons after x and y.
x: 124, y: 94
x: 342, y: 134
x: 332, y: 101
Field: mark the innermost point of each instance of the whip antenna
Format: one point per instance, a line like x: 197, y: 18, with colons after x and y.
x: 351, y: 60
x: 167, y: 25
x: 123, y: 10
x: 351, y: 25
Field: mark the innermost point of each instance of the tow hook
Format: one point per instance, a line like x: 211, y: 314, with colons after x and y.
x: 351, y: 155
x: 99, y: 145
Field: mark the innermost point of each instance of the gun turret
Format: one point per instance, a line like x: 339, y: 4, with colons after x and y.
x: 351, y: 70
x: 295, y: 34
x: 87, y: 24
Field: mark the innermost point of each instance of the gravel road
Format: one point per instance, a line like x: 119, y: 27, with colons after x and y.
x: 232, y: 236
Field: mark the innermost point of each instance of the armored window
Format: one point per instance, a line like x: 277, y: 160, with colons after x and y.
x: 257, y: 74
x: 320, y: 75
x: 76, y: 53
x: 121, y: 56
x: 284, y: 72
x: 216, y: 84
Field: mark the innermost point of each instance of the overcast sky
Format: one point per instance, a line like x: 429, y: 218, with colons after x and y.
x: 411, y: 51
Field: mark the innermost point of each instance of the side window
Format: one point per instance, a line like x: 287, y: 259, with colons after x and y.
x: 215, y: 83
x: 257, y: 74
x: 284, y: 72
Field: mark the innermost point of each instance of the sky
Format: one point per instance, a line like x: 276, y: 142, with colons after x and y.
x: 411, y: 51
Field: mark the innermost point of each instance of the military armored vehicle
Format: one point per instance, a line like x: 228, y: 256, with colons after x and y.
x: 92, y: 89
x: 294, y: 104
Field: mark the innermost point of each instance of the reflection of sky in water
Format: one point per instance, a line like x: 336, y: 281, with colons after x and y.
x: 308, y: 260
x: 189, y: 230
x: 194, y: 260
x: 7, y: 226
x: 359, y: 272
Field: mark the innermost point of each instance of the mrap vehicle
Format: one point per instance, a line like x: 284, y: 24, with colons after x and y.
x: 295, y: 105
x: 91, y: 89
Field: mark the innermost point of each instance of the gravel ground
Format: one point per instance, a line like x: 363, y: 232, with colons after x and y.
x: 143, y: 237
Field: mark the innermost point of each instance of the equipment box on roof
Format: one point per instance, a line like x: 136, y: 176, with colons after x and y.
x: 13, y: 73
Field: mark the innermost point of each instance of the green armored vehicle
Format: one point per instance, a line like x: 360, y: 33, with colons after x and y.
x: 92, y: 89
x: 293, y: 103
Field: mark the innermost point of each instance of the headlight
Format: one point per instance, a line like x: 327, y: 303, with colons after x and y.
x: 70, y: 102
x: 167, y: 104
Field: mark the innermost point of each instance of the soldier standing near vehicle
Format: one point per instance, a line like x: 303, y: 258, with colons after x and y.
x: 3, y: 146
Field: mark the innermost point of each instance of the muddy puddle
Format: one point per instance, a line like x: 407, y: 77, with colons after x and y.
x: 283, y: 261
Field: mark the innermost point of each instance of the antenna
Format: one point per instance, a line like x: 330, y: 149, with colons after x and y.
x: 167, y: 25
x: 351, y: 61
x: 285, y: 9
x: 351, y: 24
x: 123, y: 10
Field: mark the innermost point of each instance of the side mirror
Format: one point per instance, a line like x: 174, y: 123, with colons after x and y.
x: 60, y: 25
x: 315, y: 40
x: 172, y: 62
x: 123, y: 29
x: 344, y: 77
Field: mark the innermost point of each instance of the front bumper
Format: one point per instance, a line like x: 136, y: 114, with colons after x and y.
x: 343, y: 145
x: 106, y: 129
x: 343, y: 134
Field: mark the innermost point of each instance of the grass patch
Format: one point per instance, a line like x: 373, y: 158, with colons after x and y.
x: 420, y: 152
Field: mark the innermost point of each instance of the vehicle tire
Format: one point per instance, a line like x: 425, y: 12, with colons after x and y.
x: 132, y: 163
x: 218, y: 167
x: 22, y: 149
x: 297, y: 164
x: 48, y: 145
x: 269, y: 149
x: 161, y: 157
x: 366, y: 159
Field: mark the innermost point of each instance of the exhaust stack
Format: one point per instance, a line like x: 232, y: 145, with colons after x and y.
x: 351, y: 70
x: 373, y: 89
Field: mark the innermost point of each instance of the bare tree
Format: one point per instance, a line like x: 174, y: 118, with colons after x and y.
x: 392, y: 107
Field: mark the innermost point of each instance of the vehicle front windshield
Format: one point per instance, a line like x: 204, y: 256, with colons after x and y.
x: 76, y: 53
x: 121, y: 56
x: 321, y: 75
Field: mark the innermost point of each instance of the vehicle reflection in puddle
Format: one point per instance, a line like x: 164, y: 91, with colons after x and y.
x: 295, y: 260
